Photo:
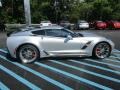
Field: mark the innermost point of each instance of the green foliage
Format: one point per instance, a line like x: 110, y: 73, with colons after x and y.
x: 72, y: 10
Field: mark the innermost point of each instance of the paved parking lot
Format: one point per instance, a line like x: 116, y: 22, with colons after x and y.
x: 55, y: 74
x: 62, y: 73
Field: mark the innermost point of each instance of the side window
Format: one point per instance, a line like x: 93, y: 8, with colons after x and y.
x: 39, y: 32
x: 64, y: 32
x: 53, y: 32
x: 56, y: 33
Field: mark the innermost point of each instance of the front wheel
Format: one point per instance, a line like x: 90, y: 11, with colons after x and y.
x: 102, y: 50
x: 28, y: 54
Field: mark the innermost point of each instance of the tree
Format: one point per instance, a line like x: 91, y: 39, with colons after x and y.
x: 72, y: 10
x: 102, y: 9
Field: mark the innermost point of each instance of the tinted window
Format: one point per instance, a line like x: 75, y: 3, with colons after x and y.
x: 39, y: 32
x: 57, y: 32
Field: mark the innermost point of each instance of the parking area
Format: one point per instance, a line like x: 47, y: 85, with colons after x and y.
x: 60, y: 73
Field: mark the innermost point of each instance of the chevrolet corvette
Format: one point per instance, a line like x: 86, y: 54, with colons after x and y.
x: 30, y: 44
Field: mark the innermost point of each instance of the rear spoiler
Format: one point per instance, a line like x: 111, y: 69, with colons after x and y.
x: 15, y: 30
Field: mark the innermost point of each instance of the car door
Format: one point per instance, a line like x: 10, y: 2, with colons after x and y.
x: 55, y: 42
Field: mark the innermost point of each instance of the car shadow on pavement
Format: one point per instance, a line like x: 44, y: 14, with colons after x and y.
x: 8, y: 57
x: 62, y: 58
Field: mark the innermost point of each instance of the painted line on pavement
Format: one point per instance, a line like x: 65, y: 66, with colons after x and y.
x: 86, y: 71
x: 19, y: 78
x: 114, y: 57
x: 3, y: 86
x: 115, y: 50
x: 3, y: 51
x: 73, y: 76
x: 116, y: 54
x: 108, y: 59
x: 102, y: 63
x: 99, y: 67
x: 39, y: 75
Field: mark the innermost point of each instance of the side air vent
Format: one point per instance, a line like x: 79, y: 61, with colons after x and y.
x: 86, y: 45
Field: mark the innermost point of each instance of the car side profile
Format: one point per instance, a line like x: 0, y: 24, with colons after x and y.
x: 32, y: 44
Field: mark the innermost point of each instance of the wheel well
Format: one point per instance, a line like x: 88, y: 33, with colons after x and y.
x: 17, y: 50
x: 99, y: 43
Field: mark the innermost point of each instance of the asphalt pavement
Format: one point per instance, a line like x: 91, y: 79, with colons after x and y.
x: 60, y: 73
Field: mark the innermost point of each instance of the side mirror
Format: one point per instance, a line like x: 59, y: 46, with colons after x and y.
x: 69, y: 37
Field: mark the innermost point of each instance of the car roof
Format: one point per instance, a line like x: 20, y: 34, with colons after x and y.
x: 52, y: 27
x: 45, y: 21
x: 82, y: 21
x: 27, y: 29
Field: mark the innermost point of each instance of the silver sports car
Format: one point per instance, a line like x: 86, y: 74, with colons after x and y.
x: 30, y: 44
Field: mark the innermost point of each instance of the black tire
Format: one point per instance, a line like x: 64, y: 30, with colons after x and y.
x: 31, y: 49
x: 107, y: 51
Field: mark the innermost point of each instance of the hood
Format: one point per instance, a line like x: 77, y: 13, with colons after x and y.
x: 87, y: 34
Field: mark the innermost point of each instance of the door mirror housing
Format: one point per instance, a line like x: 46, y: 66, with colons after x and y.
x: 69, y: 37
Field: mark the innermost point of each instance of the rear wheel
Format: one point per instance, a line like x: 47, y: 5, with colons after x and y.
x: 102, y: 50
x: 28, y: 54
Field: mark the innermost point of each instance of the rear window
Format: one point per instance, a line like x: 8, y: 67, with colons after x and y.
x: 45, y: 22
x: 82, y: 21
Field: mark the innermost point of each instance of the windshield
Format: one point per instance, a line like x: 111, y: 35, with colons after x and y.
x: 45, y: 22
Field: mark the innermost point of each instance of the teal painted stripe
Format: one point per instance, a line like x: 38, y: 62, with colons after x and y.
x: 116, y: 54
x: 22, y: 80
x: 60, y: 85
x: 4, y: 48
x: 99, y: 67
x: 87, y: 71
x: 73, y: 76
x: 114, y: 57
x: 104, y: 63
x: 3, y: 86
x: 3, y: 51
x: 112, y: 60
x: 115, y: 50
